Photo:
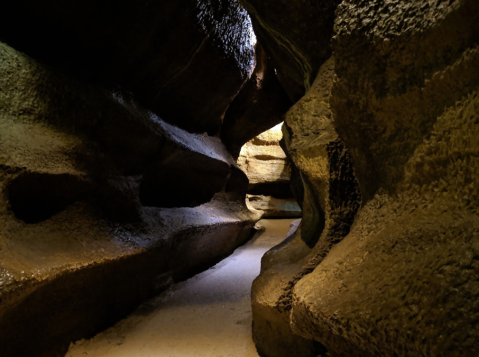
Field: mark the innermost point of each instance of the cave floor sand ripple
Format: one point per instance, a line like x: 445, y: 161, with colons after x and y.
x: 208, y: 315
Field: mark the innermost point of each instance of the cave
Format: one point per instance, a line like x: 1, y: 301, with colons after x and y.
x: 239, y: 178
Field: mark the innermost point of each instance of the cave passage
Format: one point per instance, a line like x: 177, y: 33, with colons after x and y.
x: 142, y: 141
x: 207, y: 315
x: 272, y: 188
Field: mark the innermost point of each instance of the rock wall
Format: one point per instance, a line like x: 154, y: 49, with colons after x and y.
x: 269, y: 172
x: 184, y: 61
x: 114, y: 182
x: 274, y: 207
x: 401, y: 280
x: 103, y: 203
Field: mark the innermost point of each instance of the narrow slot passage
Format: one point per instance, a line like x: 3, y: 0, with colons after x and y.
x: 208, y: 315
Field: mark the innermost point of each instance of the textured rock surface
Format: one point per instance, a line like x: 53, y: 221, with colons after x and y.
x: 404, y: 281
x: 275, y: 207
x: 259, y: 106
x: 184, y: 61
x: 330, y: 203
x: 88, y: 225
x: 266, y: 165
x: 296, y: 35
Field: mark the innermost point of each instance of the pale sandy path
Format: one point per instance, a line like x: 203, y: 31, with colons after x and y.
x: 208, y: 315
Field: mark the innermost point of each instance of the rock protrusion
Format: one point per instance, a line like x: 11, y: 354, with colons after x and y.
x: 260, y: 105
x: 403, y: 282
x: 331, y: 199
x: 297, y: 37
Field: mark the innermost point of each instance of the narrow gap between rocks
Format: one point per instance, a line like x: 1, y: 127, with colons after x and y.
x: 208, y: 315
x: 270, y: 171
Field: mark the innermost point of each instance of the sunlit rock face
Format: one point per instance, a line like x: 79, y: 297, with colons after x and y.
x: 297, y: 37
x: 403, y: 281
x: 102, y: 206
x: 265, y: 164
x: 185, y: 61
x: 269, y: 173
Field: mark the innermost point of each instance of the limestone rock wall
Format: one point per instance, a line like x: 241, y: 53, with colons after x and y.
x: 116, y: 178
x: 114, y: 181
x: 265, y: 164
x: 401, y: 280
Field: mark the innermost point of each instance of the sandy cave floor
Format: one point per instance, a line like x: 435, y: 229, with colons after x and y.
x: 208, y: 315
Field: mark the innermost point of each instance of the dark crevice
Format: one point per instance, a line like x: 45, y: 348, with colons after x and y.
x: 171, y: 185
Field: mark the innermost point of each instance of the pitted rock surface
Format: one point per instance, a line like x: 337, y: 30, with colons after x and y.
x: 403, y: 282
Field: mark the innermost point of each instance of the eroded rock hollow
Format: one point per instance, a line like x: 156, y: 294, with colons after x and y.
x: 120, y: 127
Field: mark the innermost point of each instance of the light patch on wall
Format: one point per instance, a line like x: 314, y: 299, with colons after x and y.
x: 263, y: 160
x: 232, y: 26
x: 273, y: 135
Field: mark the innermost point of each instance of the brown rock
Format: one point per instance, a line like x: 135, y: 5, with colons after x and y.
x: 404, y: 281
x: 330, y: 203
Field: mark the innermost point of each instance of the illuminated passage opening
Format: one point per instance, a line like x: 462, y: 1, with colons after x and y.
x: 269, y: 171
